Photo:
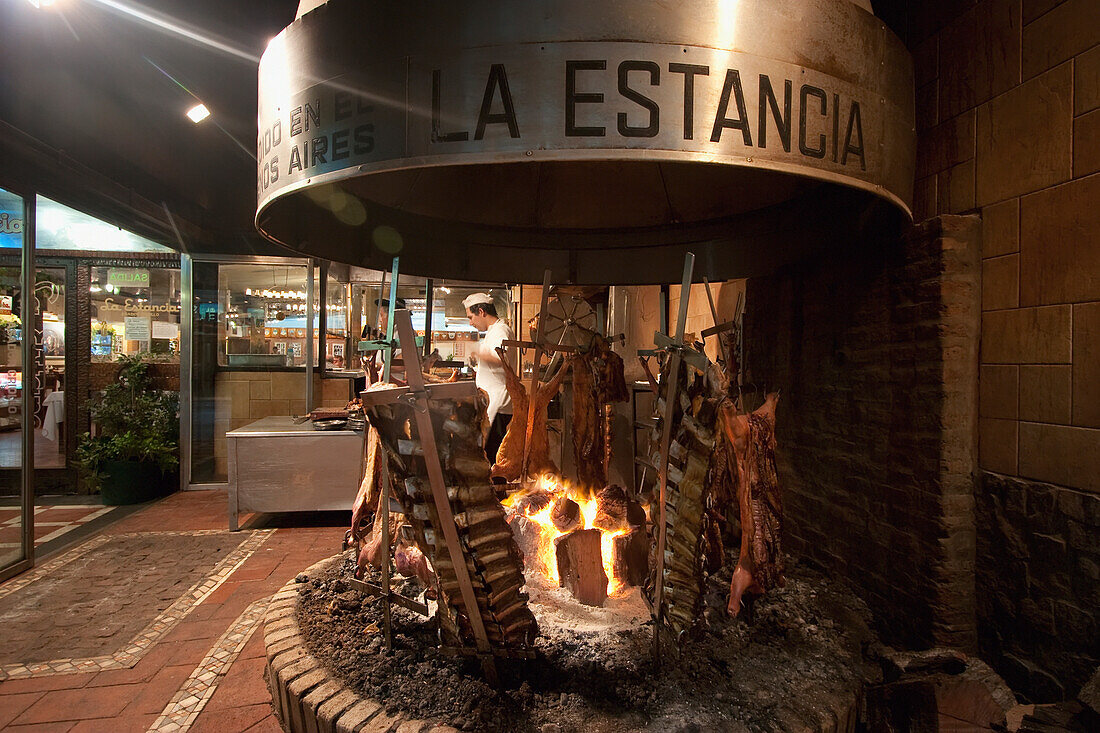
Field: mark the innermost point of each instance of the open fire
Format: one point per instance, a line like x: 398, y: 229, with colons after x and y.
x: 593, y: 543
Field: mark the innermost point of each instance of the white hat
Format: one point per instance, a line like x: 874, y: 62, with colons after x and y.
x: 475, y: 299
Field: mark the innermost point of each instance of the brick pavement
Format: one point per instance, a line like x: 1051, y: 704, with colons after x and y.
x: 217, y: 635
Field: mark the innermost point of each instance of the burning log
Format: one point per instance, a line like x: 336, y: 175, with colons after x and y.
x: 630, y: 557
x: 580, y: 566
x: 566, y: 515
x: 532, y: 502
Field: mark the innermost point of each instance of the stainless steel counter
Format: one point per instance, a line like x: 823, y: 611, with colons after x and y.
x: 277, y: 466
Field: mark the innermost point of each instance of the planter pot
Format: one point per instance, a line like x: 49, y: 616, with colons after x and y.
x: 132, y: 482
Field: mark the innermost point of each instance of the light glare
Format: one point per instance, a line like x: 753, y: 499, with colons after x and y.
x: 198, y: 113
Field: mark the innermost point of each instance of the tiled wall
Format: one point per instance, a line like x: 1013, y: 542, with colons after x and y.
x: 1008, y: 97
x: 1008, y: 101
x: 244, y: 397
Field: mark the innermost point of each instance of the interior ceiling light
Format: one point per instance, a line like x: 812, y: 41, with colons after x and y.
x: 198, y: 113
x: 41, y: 3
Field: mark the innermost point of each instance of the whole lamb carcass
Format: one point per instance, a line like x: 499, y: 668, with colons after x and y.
x: 752, y: 437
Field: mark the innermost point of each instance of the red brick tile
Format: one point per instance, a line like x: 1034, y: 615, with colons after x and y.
x: 158, y: 691
x: 223, y: 592
x: 41, y: 728
x: 270, y: 724
x: 254, y: 647
x: 243, y: 685
x: 208, y: 629
x: 12, y: 705
x: 44, y: 684
x: 233, y: 720
x: 123, y: 724
x: 82, y: 704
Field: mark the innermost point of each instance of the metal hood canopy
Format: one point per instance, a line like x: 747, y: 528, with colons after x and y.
x: 485, y: 140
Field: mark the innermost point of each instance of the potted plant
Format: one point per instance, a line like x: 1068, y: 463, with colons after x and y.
x: 10, y: 349
x: 135, y: 455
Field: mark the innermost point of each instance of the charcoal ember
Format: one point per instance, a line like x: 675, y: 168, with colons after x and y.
x: 566, y: 515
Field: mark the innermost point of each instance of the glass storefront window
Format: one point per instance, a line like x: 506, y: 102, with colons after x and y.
x: 135, y: 310
x: 337, y: 346
x: 263, y: 316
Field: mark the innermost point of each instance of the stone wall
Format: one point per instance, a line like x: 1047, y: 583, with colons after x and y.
x: 874, y: 351
x: 1008, y: 109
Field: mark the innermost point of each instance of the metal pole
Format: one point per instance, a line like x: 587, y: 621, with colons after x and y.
x: 309, y: 336
x: 383, y: 515
x: 322, y: 318
x: 429, y: 296
x: 388, y: 356
x: 187, y: 309
x: 28, y: 314
x: 534, y: 388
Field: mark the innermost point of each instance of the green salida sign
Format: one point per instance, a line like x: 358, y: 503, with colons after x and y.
x: 127, y: 277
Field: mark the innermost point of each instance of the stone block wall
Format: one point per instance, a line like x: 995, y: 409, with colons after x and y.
x: 1008, y: 109
x: 875, y: 353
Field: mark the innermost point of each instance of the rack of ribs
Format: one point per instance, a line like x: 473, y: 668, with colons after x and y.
x: 690, y: 456
x: 760, y: 563
x: 489, y: 550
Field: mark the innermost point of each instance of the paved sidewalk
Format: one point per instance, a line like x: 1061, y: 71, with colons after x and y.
x: 167, y: 609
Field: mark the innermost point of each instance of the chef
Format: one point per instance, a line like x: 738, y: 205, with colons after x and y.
x: 490, y: 372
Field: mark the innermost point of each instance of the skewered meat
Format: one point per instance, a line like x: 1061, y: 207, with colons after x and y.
x: 760, y: 564
x: 509, y: 458
x: 607, y: 369
x: 691, y: 450
x: 409, y: 561
x: 486, y: 546
x: 597, y: 381
x: 510, y: 454
x: 370, y: 487
x: 588, y: 428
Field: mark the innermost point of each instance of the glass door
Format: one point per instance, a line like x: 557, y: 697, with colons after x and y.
x: 18, y: 347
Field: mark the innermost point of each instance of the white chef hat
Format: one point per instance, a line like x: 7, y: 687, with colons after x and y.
x: 475, y: 299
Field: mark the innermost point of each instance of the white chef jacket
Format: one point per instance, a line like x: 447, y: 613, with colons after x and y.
x: 490, y: 377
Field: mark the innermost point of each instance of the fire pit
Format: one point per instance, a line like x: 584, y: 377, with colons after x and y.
x: 798, y: 666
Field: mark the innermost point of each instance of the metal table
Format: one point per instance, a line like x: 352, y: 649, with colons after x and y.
x: 277, y: 466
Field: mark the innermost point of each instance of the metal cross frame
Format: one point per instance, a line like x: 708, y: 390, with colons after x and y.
x: 417, y: 393
x: 678, y: 353
x: 540, y: 350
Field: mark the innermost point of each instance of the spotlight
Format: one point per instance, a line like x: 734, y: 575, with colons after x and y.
x: 198, y: 113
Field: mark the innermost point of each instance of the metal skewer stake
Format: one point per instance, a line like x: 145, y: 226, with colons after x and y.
x: 671, y: 397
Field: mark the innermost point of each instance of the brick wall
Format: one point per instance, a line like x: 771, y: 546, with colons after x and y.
x: 875, y: 353
x: 1008, y: 108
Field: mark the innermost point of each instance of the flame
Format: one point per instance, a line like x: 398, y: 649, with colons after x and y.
x: 547, y: 556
